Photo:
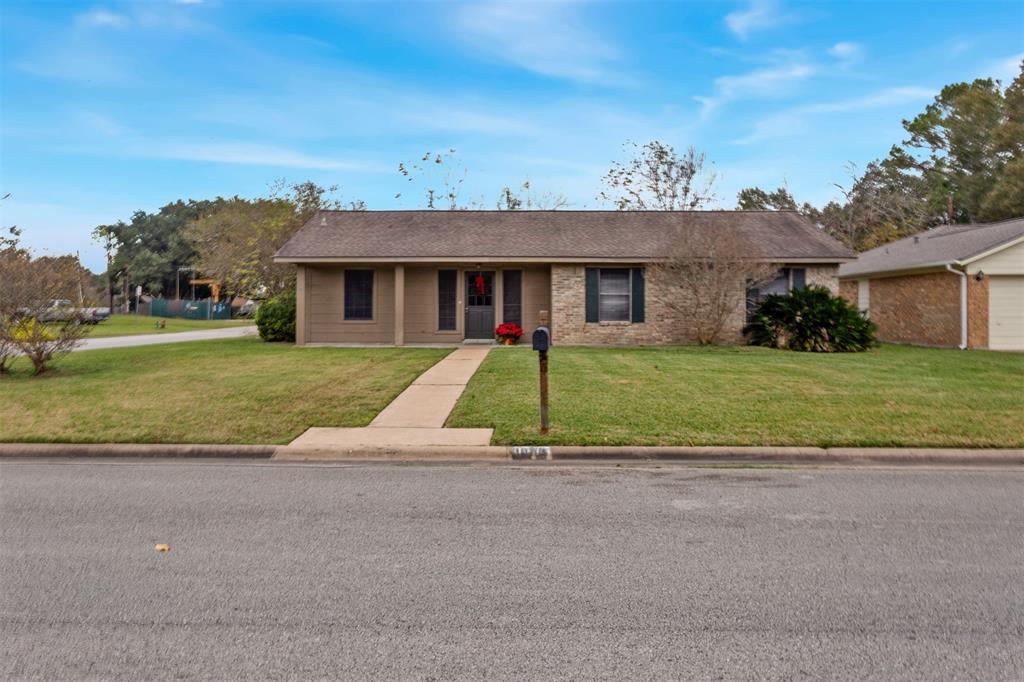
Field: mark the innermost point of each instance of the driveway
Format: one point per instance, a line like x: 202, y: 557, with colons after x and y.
x: 479, y: 572
x: 173, y: 337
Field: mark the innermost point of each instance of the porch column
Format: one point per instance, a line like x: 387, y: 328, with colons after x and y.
x: 300, y: 306
x: 399, y: 305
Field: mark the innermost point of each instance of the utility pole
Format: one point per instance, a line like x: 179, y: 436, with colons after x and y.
x: 78, y: 277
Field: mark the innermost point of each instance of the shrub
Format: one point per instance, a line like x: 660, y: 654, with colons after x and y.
x: 275, y: 318
x: 41, y: 342
x: 810, y: 319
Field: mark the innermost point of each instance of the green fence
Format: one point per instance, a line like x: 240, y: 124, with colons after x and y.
x: 191, y: 310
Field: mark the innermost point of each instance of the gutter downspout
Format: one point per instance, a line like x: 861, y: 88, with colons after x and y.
x: 963, y: 304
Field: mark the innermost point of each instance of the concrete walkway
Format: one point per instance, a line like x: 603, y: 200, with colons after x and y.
x: 172, y: 337
x: 414, y: 419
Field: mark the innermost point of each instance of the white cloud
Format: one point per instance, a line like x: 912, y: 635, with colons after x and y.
x: 791, y: 121
x: 103, y: 18
x: 847, y: 51
x: 758, y: 16
x: 767, y: 82
x: 548, y: 38
x: 245, y: 154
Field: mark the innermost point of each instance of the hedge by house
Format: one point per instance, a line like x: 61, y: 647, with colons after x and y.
x: 810, y: 319
x: 275, y: 318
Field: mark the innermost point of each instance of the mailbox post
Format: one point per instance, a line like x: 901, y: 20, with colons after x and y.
x: 541, y: 344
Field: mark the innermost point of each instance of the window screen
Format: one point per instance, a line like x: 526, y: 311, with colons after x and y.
x: 359, y: 294
x: 613, y: 295
x: 447, y: 293
x: 512, y: 293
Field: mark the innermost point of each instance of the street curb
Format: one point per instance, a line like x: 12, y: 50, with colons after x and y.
x: 95, y: 450
x: 797, y: 455
x: 499, y: 453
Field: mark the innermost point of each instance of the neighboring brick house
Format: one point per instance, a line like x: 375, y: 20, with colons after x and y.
x: 954, y: 285
x: 401, y: 277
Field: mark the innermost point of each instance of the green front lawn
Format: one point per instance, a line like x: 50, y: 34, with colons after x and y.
x: 892, y: 396
x: 129, y: 325
x: 227, y: 391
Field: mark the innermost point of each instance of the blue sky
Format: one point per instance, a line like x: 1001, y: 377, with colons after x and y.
x: 108, y: 108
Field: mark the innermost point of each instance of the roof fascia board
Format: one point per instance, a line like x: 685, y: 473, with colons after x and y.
x: 881, y: 274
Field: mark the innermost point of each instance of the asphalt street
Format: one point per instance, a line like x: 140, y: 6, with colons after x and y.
x: 501, y: 571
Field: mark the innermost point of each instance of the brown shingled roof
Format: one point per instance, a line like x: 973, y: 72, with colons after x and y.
x: 935, y: 248
x: 561, y: 235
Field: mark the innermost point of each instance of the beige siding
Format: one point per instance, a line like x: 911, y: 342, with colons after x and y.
x: 1009, y: 261
x: 421, y: 307
x: 536, y: 295
x: 322, y: 304
x: 325, y: 297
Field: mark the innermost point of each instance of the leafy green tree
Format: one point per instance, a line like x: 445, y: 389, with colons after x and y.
x: 150, y: 248
x: 1005, y: 198
x: 236, y: 241
x: 757, y: 199
x: 963, y: 144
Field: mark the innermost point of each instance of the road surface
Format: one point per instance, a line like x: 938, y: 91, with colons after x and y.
x: 171, y: 337
x: 501, y: 571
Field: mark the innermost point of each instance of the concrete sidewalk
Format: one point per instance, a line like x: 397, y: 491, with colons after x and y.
x: 414, y: 419
x: 173, y: 337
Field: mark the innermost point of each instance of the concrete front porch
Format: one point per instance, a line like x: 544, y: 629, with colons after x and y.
x: 418, y: 303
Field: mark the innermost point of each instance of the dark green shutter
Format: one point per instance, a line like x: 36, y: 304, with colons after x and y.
x: 637, y: 314
x: 799, y: 278
x: 592, y: 314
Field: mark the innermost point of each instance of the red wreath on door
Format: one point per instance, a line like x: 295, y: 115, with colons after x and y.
x: 480, y: 283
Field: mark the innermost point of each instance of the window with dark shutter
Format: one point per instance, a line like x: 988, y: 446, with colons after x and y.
x: 447, y: 293
x: 637, y: 312
x: 359, y: 294
x: 512, y: 296
x: 591, y: 295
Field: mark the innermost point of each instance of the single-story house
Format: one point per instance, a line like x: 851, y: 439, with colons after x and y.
x: 954, y: 285
x: 400, y: 277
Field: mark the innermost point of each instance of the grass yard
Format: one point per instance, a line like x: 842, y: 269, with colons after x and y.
x: 130, y: 325
x: 892, y: 396
x: 227, y: 391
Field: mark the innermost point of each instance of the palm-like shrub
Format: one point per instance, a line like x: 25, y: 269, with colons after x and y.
x: 810, y: 319
x: 275, y: 318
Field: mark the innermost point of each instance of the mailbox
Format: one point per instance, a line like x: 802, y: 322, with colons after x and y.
x: 541, y: 339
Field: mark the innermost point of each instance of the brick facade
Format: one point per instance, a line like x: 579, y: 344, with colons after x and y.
x: 924, y: 309
x: 848, y: 290
x: 661, y: 325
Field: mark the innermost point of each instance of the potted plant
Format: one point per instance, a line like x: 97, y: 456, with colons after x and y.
x: 508, y: 333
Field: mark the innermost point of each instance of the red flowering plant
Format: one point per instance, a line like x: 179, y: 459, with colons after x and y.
x: 508, y: 332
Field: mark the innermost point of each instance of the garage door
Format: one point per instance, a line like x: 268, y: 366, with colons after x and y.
x: 1006, y: 312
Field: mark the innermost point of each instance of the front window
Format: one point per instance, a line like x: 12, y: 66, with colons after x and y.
x: 784, y: 281
x: 447, y: 295
x: 359, y: 294
x: 613, y: 295
x: 512, y: 296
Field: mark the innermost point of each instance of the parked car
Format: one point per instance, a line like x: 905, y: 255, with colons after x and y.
x: 61, y: 309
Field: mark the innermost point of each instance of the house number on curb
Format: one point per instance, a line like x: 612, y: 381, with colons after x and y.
x: 531, y: 452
